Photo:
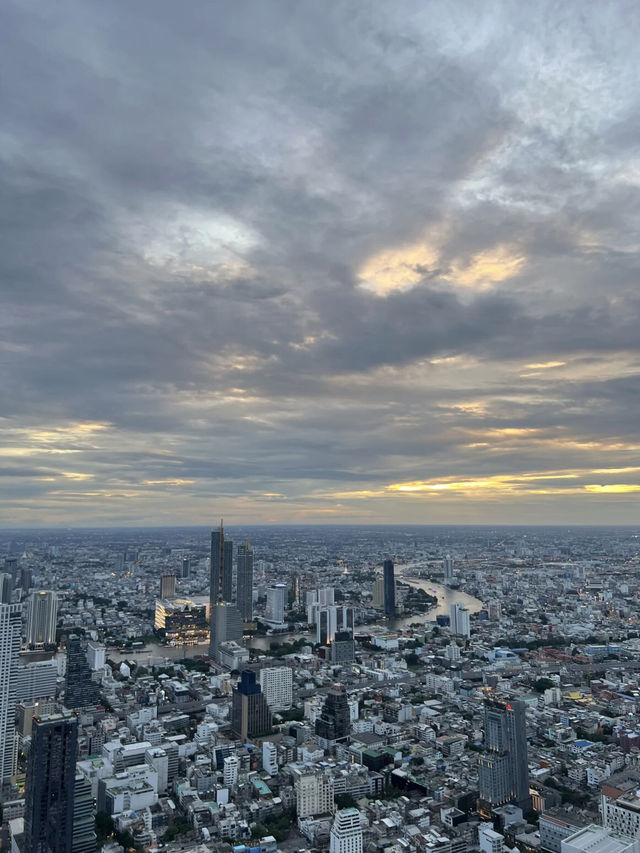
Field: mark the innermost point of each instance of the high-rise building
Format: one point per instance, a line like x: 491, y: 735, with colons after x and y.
x: 346, y: 832
x: 221, y: 575
x: 84, y: 817
x: 343, y: 647
x: 6, y: 588
x: 326, y: 595
x: 276, y: 683
x: 276, y: 604
x: 448, y: 568
x: 50, y: 785
x: 460, y: 620
x: 330, y: 620
x: 334, y: 722
x: 377, y: 593
x: 43, y: 618
x: 314, y: 789
x: 223, y: 623
x: 10, y: 631
x: 226, y: 626
x: 231, y: 765
x: 250, y: 714
x: 25, y: 581
x: 167, y: 586
x: 186, y: 568
x: 244, y: 582
x: 80, y: 690
x: 269, y: 757
x: 388, y: 573
x: 503, y: 768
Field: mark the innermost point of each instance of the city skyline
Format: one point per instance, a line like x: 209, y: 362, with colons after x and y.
x: 332, y: 263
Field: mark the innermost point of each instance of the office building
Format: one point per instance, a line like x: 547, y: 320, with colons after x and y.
x: 10, y: 632
x: 326, y: 595
x: 167, y: 586
x: 37, y: 680
x: 314, y: 789
x: 96, y: 655
x: 185, y: 574
x: 460, y: 621
x: 182, y: 620
x: 250, y: 714
x: 270, y: 757
x: 84, y: 817
x: 276, y: 683
x: 334, y: 722
x: 333, y: 619
x: 448, y: 568
x: 377, y: 593
x: 50, y: 785
x: 6, y: 588
x: 231, y: 766
x: 555, y: 825
x: 43, y: 618
x: 223, y: 622
x: 226, y: 625
x: 346, y: 832
x: 389, y: 578
x: 244, y: 582
x: 503, y: 768
x: 276, y: 605
x: 620, y: 805
x: 343, y: 647
x: 599, y: 839
x: 221, y: 568
x: 80, y: 690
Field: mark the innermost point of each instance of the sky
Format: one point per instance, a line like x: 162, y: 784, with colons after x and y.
x: 319, y: 262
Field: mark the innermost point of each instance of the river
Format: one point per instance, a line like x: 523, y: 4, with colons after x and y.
x: 153, y: 653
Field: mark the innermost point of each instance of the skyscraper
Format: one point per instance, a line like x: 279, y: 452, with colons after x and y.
x: 334, y: 722
x: 6, y: 588
x: 10, y: 630
x: 221, y: 576
x: 167, y: 586
x: 80, y: 690
x: 330, y: 620
x: 250, y: 714
x: 225, y: 620
x: 276, y: 683
x: 226, y: 625
x: 244, y: 585
x: 51, y: 779
x: 43, y: 617
x: 503, y: 768
x: 346, y: 832
x: 448, y: 568
x: 459, y: 620
x: 84, y: 816
x: 389, y: 588
x: 276, y: 603
x: 186, y: 568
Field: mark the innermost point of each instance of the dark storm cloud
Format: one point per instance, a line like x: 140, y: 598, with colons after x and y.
x: 189, y: 197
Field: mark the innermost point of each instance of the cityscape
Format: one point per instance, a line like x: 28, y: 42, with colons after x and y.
x: 379, y: 688
x: 320, y: 426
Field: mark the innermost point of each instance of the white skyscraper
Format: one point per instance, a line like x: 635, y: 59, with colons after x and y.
x: 460, y: 620
x: 270, y: 757
x: 276, y: 603
x: 230, y: 770
x: 277, y: 685
x: 314, y: 791
x: 10, y: 630
x: 43, y: 617
x: 326, y: 595
x: 346, y: 832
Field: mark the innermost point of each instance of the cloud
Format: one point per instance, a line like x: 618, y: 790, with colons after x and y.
x: 265, y: 261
